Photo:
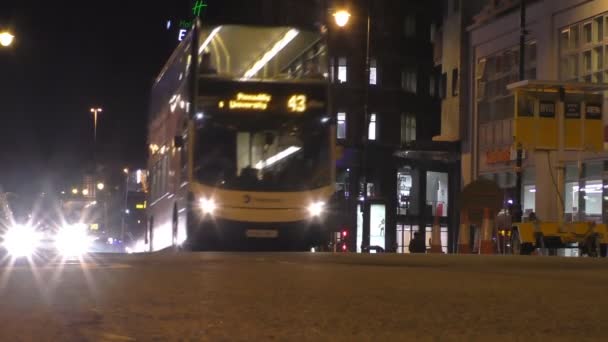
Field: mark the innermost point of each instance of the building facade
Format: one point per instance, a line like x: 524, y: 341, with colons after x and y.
x: 392, y: 178
x: 567, y: 40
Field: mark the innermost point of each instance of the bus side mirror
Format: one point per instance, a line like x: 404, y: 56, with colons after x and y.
x: 178, y: 141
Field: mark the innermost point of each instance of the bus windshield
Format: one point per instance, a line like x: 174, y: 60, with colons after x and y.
x: 263, y: 153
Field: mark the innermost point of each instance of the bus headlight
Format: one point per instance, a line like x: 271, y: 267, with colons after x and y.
x: 21, y: 241
x: 73, y: 240
x: 316, y: 208
x: 207, y: 205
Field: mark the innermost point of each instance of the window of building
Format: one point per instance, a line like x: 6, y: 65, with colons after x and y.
x: 437, y: 192
x: 372, y: 127
x: 408, y: 80
x: 587, y: 60
x: 587, y: 33
x: 342, y: 70
x: 494, y: 101
x: 574, y: 37
x: 405, y: 234
x: 592, y: 191
x: 408, y: 128
x: 455, y: 82
x: 373, y: 72
x: 565, y: 39
x: 571, y: 192
x: 528, y: 195
x: 444, y: 237
x: 409, y: 25
x: 598, y: 58
x: 341, y: 126
x: 599, y: 29
x: 404, y: 192
x: 377, y: 225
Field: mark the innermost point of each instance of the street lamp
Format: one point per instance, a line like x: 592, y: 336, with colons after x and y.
x: 342, y: 17
x: 6, y: 39
x: 100, y: 186
x: 95, y: 111
x: 126, y: 211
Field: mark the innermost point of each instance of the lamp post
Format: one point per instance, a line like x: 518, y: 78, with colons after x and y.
x: 342, y: 18
x: 126, y: 207
x: 518, y: 206
x: 95, y: 111
x: 6, y: 38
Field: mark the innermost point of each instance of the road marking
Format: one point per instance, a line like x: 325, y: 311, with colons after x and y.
x: 114, y: 337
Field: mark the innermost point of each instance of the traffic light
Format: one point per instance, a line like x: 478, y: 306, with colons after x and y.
x: 344, y: 240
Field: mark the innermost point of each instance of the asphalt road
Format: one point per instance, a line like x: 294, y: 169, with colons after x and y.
x: 299, y: 297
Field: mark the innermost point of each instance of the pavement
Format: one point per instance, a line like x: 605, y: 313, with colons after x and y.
x: 305, y: 297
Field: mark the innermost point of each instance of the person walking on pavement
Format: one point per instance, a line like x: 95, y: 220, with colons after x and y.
x: 417, y: 244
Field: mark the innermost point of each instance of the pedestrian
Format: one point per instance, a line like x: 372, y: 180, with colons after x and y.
x: 417, y: 244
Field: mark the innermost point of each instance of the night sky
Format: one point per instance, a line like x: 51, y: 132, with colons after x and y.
x: 71, y: 55
x: 65, y: 60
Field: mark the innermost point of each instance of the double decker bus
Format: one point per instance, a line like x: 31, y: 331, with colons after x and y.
x: 241, y: 145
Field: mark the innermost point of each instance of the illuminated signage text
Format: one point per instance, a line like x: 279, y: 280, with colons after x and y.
x: 297, y: 103
x: 249, y: 101
x: 181, y: 34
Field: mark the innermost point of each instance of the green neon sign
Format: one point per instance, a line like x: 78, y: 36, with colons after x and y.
x: 199, y: 5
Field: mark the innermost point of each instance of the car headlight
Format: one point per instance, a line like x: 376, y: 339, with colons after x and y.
x: 207, y: 205
x: 21, y: 241
x: 73, y: 240
x: 316, y: 208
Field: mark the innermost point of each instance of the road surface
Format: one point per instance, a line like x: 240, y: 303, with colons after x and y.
x: 299, y: 297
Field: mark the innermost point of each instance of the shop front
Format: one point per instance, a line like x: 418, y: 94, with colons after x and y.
x: 427, y: 184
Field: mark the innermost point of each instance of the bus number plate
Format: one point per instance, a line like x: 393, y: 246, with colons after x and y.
x: 262, y: 233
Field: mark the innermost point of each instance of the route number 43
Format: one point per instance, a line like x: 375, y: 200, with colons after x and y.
x: 297, y: 103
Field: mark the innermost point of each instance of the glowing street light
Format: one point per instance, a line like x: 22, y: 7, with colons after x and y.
x: 6, y: 39
x: 95, y: 111
x: 85, y: 192
x: 342, y: 17
x: 74, y: 191
x: 125, y: 170
x: 100, y: 186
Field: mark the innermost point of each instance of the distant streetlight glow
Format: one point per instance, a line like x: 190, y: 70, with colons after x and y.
x: 6, y: 39
x: 95, y: 111
x: 100, y: 186
x: 74, y: 191
x: 85, y: 192
x: 125, y: 170
x: 342, y: 18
